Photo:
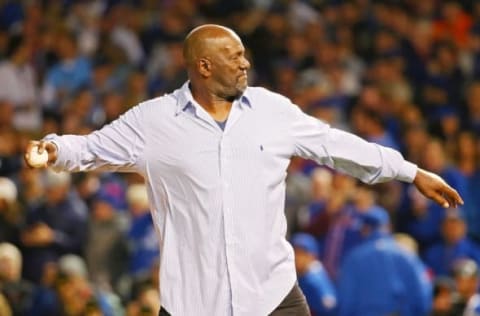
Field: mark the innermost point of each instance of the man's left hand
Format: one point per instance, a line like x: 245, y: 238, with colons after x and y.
x: 435, y: 188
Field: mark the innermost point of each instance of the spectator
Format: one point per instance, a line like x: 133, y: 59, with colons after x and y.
x: 55, y: 227
x: 466, y: 277
x: 473, y: 106
x: 19, y: 86
x: 71, y: 293
x: 466, y: 158
x: 146, y: 303
x: 123, y: 33
x: 10, y: 160
x: 370, y: 125
x: 106, y: 251
x: 298, y: 194
x: 443, y: 297
x: 380, y: 278
x: 455, y: 245
x: 454, y: 23
x: 321, y: 192
x: 77, y: 295
x: 312, y: 277
x: 18, y: 292
x: 344, y: 232
x: 422, y: 219
x: 142, y: 238
x: 11, y: 216
x: 66, y: 77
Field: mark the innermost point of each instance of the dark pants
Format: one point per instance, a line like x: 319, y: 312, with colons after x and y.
x: 294, y: 304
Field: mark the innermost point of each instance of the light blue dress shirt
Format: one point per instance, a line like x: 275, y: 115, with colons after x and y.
x: 217, y: 196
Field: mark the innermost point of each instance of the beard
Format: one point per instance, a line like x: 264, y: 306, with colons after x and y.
x: 235, y: 91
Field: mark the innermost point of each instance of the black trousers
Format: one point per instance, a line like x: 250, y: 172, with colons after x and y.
x: 294, y: 304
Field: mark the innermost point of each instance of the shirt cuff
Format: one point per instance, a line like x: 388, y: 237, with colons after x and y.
x: 407, y: 172
x: 53, y: 138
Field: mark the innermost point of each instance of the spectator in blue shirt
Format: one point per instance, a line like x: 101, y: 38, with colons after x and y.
x: 312, y: 277
x: 71, y: 73
x: 142, y: 239
x: 455, y: 245
x: 378, y: 277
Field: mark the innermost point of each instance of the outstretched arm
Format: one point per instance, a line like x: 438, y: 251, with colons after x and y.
x: 116, y: 147
x: 366, y: 161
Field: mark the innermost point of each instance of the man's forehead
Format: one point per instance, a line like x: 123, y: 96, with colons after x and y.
x: 227, y: 44
x: 210, y: 39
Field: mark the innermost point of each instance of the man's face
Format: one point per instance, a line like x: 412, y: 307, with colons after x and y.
x: 453, y: 230
x: 466, y: 286
x: 302, y: 260
x: 229, y: 67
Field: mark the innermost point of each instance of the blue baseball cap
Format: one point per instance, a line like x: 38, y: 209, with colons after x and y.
x: 306, y: 242
x: 375, y: 217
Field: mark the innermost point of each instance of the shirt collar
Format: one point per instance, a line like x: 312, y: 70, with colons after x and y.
x: 185, y: 98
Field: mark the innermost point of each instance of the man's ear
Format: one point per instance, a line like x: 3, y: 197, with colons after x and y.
x: 204, y: 67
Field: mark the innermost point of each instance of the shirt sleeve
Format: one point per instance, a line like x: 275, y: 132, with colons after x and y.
x: 348, y: 153
x: 118, y: 146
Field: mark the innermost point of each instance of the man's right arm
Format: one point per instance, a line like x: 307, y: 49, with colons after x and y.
x: 118, y: 146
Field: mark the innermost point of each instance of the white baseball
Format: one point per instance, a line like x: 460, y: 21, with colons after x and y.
x: 37, y: 160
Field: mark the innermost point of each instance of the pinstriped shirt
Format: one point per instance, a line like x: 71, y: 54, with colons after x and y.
x: 217, y: 196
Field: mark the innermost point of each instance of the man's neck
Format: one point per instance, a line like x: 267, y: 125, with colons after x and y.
x: 217, y: 107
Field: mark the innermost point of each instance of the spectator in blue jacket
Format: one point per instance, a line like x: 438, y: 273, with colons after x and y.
x: 142, y: 239
x: 312, y: 277
x: 379, y: 277
x: 455, y: 245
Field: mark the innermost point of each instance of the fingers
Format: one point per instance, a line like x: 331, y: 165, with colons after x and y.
x: 30, y: 148
x: 452, y: 196
x: 440, y: 199
x: 35, y: 148
x: 447, y: 197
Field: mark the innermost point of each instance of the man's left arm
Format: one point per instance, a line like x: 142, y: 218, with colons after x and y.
x: 369, y: 162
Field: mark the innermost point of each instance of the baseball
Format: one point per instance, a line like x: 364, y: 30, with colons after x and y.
x: 37, y: 160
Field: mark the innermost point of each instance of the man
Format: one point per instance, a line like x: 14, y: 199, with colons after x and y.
x: 214, y: 154
x: 454, y: 246
x: 466, y: 275
x: 17, y: 291
x: 19, y: 84
x: 379, y: 277
x: 141, y: 235
x: 54, y: 227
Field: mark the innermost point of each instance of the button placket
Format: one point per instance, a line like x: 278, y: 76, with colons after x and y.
x: 225, y: 152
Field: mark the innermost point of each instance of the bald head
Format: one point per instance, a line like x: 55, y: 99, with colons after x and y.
x: 216, y: 62
x: 197, y: 43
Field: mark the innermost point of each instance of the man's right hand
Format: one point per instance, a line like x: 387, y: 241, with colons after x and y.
x: 40, y: 147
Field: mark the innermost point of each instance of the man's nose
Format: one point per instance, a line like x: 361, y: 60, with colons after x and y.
x: 245, y: 64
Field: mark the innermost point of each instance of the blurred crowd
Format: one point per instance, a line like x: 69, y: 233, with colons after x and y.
x: 404, y: 74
